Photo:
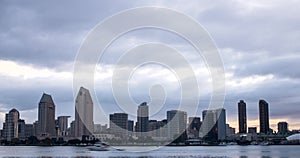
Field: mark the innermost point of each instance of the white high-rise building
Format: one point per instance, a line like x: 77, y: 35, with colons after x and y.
x: 177, y: 123
x: 84, y: 124
x: 214, y: 124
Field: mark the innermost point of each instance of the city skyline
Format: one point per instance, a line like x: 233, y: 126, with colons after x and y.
x: 257, y: 43
x: 85, y: 99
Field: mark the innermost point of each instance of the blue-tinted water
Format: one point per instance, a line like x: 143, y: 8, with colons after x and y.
x: 189, y: 151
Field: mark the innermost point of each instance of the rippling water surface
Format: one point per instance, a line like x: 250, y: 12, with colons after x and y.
x: 189, y: 151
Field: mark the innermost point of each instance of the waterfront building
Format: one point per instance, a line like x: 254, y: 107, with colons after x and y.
x: 264, y: 117
x: 130, y: 125
x: 194, y: 127
x: 29, y: 130
x: 230, y: 131
x: 63, y: 125
x: 10, y: 126
x: 46, y: 117
x: 214, y: 125
x: 282, y: 127
x: 118, y: 124
x: 21, y: 129
x: 98, y: 128
x: 252, y: 130
x: 242, y: 117
x: 142, y: 120
x: 177, y: 123
x: 163, y: 128
x: 35, y: 128
x: 83, y: 124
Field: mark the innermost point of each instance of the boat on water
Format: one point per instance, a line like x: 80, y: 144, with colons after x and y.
x: 99, y: 146
x: 265, y: 143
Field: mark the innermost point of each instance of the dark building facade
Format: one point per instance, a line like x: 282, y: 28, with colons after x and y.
x: 142, y: 123
x: 252, y: 130
x: 282, y: 127
x: 46, y: 117
x: 194, y: 127
x: 118, y: 124
x: 242, y: 117
x: 264, y: 117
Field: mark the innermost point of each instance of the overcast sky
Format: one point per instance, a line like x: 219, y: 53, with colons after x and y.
x: 258, y: 42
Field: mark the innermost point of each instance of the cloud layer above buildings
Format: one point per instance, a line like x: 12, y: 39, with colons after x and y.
x: 258, y: 42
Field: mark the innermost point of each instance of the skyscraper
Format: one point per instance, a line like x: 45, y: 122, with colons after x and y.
x: 84, y: 124
x: 46, y: 116
x: 118, y: 124
x: 264, y: 116
x: 10, y: 127
x: 282, y: 127
x: 177, y: 123
x: 242, y: 117
x: 142, y: 119
x: 214, y: 124
x: 21, y: 129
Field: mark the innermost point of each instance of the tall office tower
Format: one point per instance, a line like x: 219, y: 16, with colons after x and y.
x: 142, y: 119
x: 177, y: 123
x: 118, y: 124
x: 10, y: 127
x: 214, y: 124
x: 63, y: 125
x: 46, y: 116
x: 84, y: 124
x: 264, y: 116
x: 282, y: 127
x: 194, y: 127
x: 242, y: 117
x: 21, y: 129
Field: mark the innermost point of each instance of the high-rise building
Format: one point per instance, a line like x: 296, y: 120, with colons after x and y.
x: 214, y: 124
x: 242, y: 117
x: 72, y: 129
x: 264, y: 116
x: 282, y: 127
x: 142, y: 119
x: 35, y: 128
x: 118, y: 124
x: 46, y: 116
x: 63, y: 125
x: 10, y: 127
x: 177, y: 123
x: 21, y: 129
x: 194, y: 127
x: 84, y: 124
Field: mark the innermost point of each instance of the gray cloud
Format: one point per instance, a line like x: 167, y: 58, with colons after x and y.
x: 254, y: 39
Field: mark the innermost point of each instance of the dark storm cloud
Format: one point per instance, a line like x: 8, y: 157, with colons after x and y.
x: 48, y: 33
